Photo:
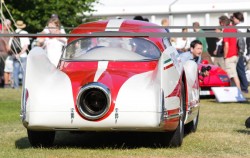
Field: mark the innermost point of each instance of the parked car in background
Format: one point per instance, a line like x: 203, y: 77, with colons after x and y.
x: 217, y: 78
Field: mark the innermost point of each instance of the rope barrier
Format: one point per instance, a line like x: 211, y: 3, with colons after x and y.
x: 10, y: 30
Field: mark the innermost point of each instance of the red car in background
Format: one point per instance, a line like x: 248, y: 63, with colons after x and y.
x: 217, y: 78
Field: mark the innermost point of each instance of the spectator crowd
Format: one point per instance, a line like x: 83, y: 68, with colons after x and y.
x: 230, y: 53
x: 14, y: 50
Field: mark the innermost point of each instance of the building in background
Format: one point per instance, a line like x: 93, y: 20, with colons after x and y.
x: 179, y: 12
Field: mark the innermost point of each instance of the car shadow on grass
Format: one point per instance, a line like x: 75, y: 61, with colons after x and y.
x: 101, y: 140
x: 22, y: 143
x: 244, y: 131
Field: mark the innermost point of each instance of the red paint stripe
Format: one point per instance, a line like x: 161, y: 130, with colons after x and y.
x: 173, y: 111
x: 80, y: 73
x: 196, y: 84
x: 171, y: 124
x: 176, y: 91
x: 168, y: 66
x: 116, y: 74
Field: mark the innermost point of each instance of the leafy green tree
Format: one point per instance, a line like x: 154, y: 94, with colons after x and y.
x: 36, y: 13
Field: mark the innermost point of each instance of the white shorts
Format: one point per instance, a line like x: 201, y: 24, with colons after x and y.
x: 230, y: 64
x: 8, y: 65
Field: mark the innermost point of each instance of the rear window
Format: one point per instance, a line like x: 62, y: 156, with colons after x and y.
x: 111, y: 48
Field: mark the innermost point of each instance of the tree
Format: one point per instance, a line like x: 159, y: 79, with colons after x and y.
x: 36, y: 13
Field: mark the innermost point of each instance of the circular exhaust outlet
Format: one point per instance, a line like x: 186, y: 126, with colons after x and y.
x: 93, y: 100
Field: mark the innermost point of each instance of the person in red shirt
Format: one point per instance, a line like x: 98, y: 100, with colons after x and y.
x: 230, y: 51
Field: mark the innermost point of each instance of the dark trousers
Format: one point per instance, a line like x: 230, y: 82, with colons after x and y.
x: 242, y: 73
x: 3, y: 57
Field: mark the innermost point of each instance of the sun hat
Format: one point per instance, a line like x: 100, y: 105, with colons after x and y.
x: 20, y: 24
x: 54, y: 16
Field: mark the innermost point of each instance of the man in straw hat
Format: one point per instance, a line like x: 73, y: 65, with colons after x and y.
x: 19, y: 62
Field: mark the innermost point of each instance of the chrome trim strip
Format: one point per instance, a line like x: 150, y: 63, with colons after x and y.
x: 66, y: 129
x: 173, y: 116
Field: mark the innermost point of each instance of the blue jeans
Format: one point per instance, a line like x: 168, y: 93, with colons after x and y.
x: 242, y: 74
x: 19, y: 68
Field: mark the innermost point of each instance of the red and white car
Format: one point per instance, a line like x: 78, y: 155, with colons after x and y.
x: 106, y: 81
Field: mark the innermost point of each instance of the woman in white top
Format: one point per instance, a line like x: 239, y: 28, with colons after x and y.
x: 53, y: 45
x: 183, y: 44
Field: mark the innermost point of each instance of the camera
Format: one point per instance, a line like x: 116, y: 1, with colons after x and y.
x: 204, y: 69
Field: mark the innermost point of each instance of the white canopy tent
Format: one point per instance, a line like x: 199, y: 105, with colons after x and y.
x: 131, y: 7
x: 179, y: 12
x: 210, y: 6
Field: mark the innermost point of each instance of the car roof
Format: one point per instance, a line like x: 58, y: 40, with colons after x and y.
x: 120, y: 26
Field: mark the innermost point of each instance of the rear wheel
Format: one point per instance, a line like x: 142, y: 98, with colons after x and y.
x: 192, y: 126
x: 175, y: 138
x: 41, y: 138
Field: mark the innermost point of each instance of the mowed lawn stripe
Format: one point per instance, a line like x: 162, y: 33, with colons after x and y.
x: 221, y: 133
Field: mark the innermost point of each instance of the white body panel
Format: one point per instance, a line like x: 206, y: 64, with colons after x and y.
x: 170, y: 77
x: 192, y: 83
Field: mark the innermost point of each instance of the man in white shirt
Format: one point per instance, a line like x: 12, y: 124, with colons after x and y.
x: 19, y: 63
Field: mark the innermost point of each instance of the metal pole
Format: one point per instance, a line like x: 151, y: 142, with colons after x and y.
x: 2, y: 1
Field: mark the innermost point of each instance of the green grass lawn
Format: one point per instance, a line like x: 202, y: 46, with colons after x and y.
x: 221, y: 133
